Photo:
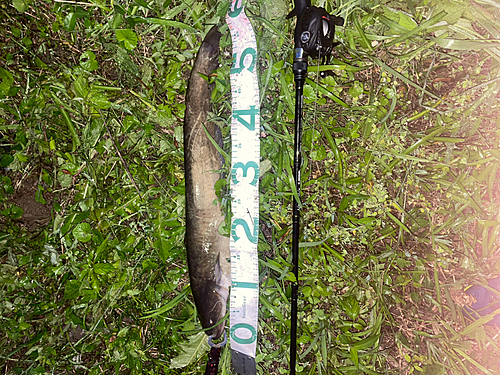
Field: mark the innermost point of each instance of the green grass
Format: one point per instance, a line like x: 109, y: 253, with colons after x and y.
x: 400, y: 188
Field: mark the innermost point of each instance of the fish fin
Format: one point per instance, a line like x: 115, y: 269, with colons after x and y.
x: 222, y: 281
x: 218, y: 270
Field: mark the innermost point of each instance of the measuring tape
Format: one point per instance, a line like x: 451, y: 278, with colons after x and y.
x: 245, y: 158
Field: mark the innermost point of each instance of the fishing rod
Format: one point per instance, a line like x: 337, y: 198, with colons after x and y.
x: 313, y: 37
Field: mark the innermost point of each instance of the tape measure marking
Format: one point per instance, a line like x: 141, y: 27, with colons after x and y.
x: 245, y: 158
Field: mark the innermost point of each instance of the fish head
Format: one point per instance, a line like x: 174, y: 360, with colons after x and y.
x: 213, y: 309
x: 211, y: 297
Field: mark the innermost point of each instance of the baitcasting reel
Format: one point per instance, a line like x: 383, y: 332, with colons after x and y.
x: 315, y: 29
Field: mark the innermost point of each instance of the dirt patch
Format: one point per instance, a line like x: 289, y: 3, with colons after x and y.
x: 35, y: 214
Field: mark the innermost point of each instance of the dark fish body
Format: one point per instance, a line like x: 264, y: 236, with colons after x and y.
x: 207, y: 251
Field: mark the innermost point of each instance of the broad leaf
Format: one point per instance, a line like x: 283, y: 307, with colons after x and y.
x: 21, y: 5
x: 196, y: 347
x: 103, y: 268
x: 128, y: 37
x: 82, y: 232
x: 7, y: 81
